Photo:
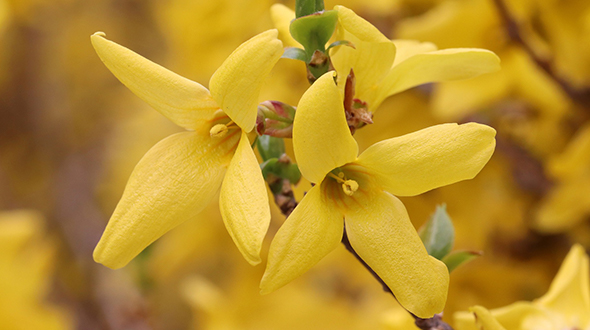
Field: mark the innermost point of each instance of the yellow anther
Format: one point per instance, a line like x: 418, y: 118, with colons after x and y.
x: 218, y: 131
x: 349, y: 187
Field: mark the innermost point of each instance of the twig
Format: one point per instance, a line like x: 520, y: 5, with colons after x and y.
x: 514, y: 31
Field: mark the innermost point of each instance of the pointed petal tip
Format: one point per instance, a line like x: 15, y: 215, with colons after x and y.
x: 99, y: 34
x: 253, y: 260
x: 265, y: 290
x: 101, y: 257
x: 268, y: 284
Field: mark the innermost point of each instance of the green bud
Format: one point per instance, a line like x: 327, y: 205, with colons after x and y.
x: 459, y: 258
x: 308, y: 7
x: 295, y: 53
x: 270, y: 147
x: 314, y: 31
x: 282, y: 168
x: 438, y: 234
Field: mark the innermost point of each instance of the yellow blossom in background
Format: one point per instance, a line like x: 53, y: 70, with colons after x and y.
x: 26, y: 265
x: 179, y: 176
x: 358, y: 188
x: 565, y: 306
x: 568, y: 203
x: 476, y: 24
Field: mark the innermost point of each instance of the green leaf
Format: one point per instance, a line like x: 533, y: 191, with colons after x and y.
x: 270, y: 147
x: 340, y: 43
x: 283, y: 170
x: 458, y: 258
x: 308, y: 7
x: 295, y: 53
x: 314, y: 31
x: 438, y: 234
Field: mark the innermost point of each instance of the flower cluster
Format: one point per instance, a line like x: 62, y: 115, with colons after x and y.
x: 352, y: 193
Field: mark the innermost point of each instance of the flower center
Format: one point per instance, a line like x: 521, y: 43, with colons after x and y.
x: 348, y: 186
x: 220, y: 130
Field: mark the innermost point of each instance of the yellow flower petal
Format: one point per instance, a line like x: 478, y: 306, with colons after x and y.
x: 430, y: 158
x: 282, y: 16
x: 381, y: 233
x: 321, y: 137
x: 565, y: 206
x: 454, y: 100
x: 237, y: 83
x: 181, y: 100
x: 405, y: 49
x: 437, y: 66
x: 313, y: 230
x: 569, y: 293
x: 244, y: 202
x: 485, y: 320
x: 172, y: 183
x: 371, y: 58
x: 576, y: 157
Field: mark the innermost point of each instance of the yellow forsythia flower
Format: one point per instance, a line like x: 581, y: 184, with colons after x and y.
x: 383, y: 67
x: 359, y: 189
x: 565, y: 306
x: 181, y: 174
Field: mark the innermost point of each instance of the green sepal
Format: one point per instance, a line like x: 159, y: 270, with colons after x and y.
x: 340, y: 43
x: 295, y: 53
x: 308, y: 7
x: 438, y: 234
x: 314, y: 31
x: 270, y: 147
x: 459, y: 258
x: 280, y: 169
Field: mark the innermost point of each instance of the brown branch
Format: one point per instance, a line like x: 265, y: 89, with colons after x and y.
x: 284, y: 198
x: 515, y: 33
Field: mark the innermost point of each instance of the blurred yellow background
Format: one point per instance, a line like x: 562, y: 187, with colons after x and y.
x: 70, y: 135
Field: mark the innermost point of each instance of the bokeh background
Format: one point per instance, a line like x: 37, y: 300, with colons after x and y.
x: 70, y: 135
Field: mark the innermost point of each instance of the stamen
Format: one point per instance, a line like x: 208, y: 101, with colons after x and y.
x: 218, y: 131
x: 348, y: 186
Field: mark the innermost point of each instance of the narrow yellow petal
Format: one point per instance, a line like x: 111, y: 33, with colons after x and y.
x: 437, y: 66
x: 454, y: 100
x: 464, y: 320
x: 181, y: 100
x: 282, y: 16
x: 408, y: 48
x: 371, y: 58
x: 321, y: 137
x: 172, y: 183
x: 485, y: 320
x: 569, y: 293
x: 313, y: 230
x: 237, y: 83
x: 244, y: 202
x: 430, y: 158
x: 514, y: 316
x: 381, y: 233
